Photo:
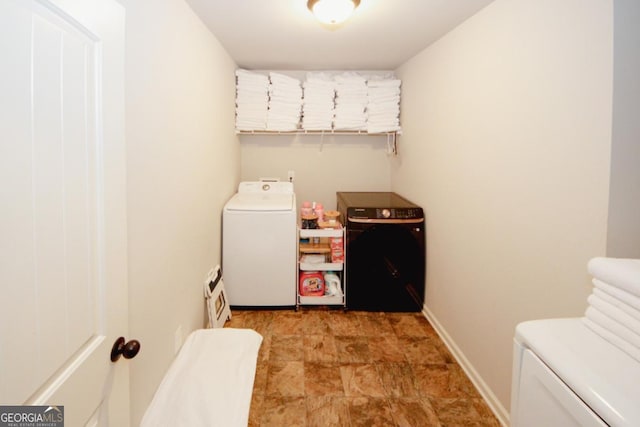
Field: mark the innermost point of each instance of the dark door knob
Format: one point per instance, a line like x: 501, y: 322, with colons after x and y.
x: 128, y: 349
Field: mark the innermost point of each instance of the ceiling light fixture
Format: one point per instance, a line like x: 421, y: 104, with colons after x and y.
x: 332, y: 12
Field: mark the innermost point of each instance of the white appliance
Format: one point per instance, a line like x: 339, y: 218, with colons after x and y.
x: 566, y: 375
x: 259, y: 245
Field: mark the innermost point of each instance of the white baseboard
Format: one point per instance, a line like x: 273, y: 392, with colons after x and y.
x: 492, y: 401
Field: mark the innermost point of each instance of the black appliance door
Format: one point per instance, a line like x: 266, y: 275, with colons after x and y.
x: 385, y: 267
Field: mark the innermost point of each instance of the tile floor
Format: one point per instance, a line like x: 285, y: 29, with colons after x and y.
x: 334, y: 368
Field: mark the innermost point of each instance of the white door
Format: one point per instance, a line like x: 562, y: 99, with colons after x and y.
x: 62, y: 208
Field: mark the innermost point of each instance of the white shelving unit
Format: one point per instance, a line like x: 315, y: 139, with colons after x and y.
x: 321, y: 248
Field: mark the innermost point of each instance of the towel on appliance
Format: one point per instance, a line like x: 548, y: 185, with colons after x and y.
x: 618, y: 293
x: 623, y: 273
x: 626, y: 308
x: 209, y: 383
x: 613, y: 339
x: 615, y: 313
x: 613, y: 326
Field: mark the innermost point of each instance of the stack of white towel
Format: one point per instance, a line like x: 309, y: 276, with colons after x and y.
x: 319, y: 101
x: 614, y: 305
x: 285, y: 103
x: 351, y: 102
x: 383, y: 105
x: 252, y: 100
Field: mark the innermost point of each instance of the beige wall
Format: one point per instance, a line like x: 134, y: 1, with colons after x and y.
x: 506, y: 144
x: 322, y: 165
x: 182, y: 164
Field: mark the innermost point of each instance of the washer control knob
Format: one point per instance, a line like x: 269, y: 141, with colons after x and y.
x: 386, y: 213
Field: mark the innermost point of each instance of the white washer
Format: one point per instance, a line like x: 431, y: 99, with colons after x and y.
x: 566, y: 375
x: 259, y: 245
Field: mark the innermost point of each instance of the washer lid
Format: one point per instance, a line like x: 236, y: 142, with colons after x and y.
x: 266, y: 202
x: 265, y: 196
x: 604, y: 377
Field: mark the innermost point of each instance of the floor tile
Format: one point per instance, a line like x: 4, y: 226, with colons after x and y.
x: 456, y: 412
x: 322, y: 379
x: 325, y: 411
x: 361, y: 380
x: 285, y: 379
x: 421, y: 350
x: 370, y: 412
x: 287, y: 323
x: 413, y: 413
x: 320, y: 348
x: 345, y: 324
x: 286, y: 348
x: 283, y: 411
x: 386, y: 348
x: 397, y: 379
x: 353, y: 349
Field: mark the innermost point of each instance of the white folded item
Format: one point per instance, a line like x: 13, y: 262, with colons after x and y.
x: 615, y: 313
x: 318, y: 106
x: 251, y: 127
x: 250, y: 117
x: 612, y: 326
x: 317, y: 127
x: 618, y: 293
x: 383, y: 106
x: 613, y: 339
x: 382, y: 125
x: 282, y: 78
x: 349, y: 126
x: 281, y: 127
x: 350, y: 77
x: 623, y: 273
x: 319, y: 77
x: 383, y: 118
x: 252, y: 105
x: 380, y: 99
x: 318, y: 86
x: 209, y: 383
x: 252, y: 77
x: 384, y: 83
x: 633, y: 312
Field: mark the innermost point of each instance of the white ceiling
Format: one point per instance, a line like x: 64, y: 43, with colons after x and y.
x: 283, y: 35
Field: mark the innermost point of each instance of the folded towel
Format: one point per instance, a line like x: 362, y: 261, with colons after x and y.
x: 251, y: 76
x: 620, y: 272
x: 210, y: 381
x: 626, y: 308
x: 385, y: 83
x: 350, y: 77
x: 319, y: 76
x: 613, y: 326
x: 615, y: 313
x: 618, y: 293
x: 613, y: 339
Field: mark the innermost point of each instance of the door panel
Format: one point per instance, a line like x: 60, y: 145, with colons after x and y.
x: 62, y: 180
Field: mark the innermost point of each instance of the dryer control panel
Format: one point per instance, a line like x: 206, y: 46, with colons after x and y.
x: 385, y: 213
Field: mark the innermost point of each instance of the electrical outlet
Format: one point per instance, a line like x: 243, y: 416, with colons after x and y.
x: 177, y: 339
x: 291, y: 175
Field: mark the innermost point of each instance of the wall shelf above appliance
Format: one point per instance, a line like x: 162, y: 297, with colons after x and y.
x: 391, y: 136
x: 315, y: 132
